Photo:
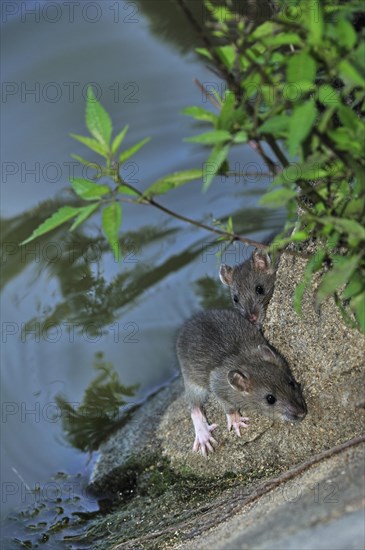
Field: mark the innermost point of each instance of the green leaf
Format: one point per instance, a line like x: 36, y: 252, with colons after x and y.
x: 350, y: 75
x: 204, y: 52
x: 301, y: 67
x: 227, y: 114
x: 354, y: 287
x: 98, y: 120
x: 277, y: 198
x: 172, y: 181
x: 127, y: 190
x: 200, y: 114
x: 314, y: 20
x: 277, y: 125
x: 227, y: 54
x: 283, y: 38
x: 211, y: 138
x: 349, y: 119
x: 351, y: 227
x: 92, y: 144
x: 358, y: 305
x: 87, y: 163
x: 118, y: 139
x: 85, y: 212
x: 88, y: 190
x: 111, y: 220
x: 300, y: 125
x: 240, y: 137
x: 214, y: 163
x: 128, y: 153
x: 346, y: 35
x: 62, y: 215
x: 328, y: 95
x: 338, y: 275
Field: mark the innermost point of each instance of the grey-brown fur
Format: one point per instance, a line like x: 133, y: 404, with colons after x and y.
x: 251, y: 284
x: 221, y: 352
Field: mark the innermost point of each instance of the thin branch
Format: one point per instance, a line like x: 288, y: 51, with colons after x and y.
x: 148, y: 200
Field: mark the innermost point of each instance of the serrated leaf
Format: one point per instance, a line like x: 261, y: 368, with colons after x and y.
x: 214, y: 163
x: 128, y: 153
x: 111, y: 220
x: 88, y: 190
x: 119, y: 139
x: 277, y: 197
x: 198, y: 113
x: 92, y: 144
x: 301, y: 122
x: 98, y: 120
x: 127, y: 190
x: 62, y: 215
x: 338, y: 275
x: 301, y: 67
x: 211, y: 138
x: 85, y: 212
x: 172, y: 181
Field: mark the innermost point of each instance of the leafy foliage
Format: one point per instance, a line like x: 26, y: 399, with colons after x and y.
x: 299, y: 80
x: 295, y: 83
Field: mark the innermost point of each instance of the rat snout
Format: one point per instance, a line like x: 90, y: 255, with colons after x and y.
x: 252, y: 318
x: 295, y: 415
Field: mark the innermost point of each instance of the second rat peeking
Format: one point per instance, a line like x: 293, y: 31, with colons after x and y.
x: 251, y: 284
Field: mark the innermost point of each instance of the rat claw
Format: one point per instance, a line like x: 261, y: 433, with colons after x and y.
x: 236, y: 421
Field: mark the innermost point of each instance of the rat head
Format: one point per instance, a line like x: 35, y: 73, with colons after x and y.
x: 269, y: 386
x: 251, y: 284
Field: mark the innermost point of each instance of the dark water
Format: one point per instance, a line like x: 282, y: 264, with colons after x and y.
x: 140, y: 57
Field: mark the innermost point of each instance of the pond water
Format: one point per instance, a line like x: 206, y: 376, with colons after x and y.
x: 140, y: 58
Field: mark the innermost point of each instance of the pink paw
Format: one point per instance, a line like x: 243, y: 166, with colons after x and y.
x: 237, y: 421
x: 203, y: 432
x: 204, y: 439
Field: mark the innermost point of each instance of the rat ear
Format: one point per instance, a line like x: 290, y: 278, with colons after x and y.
x: 239, y: 381
x: 267, y: 353
x: 260, y: 260
x: 226, y: 274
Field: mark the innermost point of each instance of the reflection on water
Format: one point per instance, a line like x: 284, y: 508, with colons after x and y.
x: 100, y: 411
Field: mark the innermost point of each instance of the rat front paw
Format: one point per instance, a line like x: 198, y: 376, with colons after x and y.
x: 204, y: 439
x: 236, y: 421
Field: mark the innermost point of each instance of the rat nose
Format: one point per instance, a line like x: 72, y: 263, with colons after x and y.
x: 252, y: 318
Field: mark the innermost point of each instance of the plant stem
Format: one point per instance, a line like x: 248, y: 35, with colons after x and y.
x: 148, y: 200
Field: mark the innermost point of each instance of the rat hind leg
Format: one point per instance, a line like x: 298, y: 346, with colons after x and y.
x: 204, y: 440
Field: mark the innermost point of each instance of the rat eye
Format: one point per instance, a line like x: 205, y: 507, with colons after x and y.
x: 270, y: 399
x: 291, y: 383
x: 235, y: 299
x: 259, y: 290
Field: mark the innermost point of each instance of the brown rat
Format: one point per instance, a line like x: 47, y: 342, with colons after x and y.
x: 221, y: 352
x: 251, y: 284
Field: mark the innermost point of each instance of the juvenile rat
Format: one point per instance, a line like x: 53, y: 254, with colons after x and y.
x: 221, y: 352
x: 252, y: 285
